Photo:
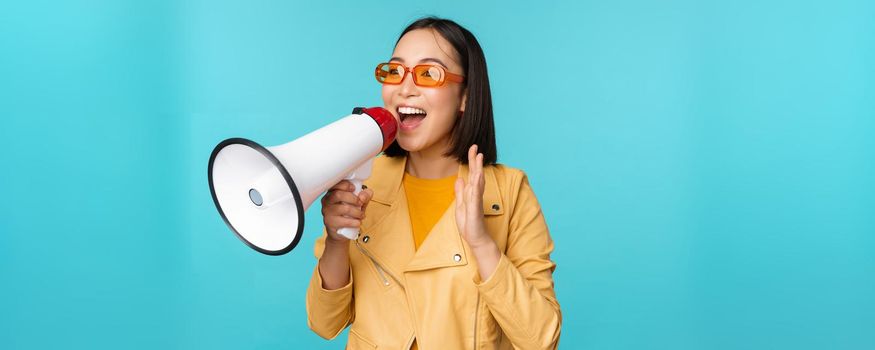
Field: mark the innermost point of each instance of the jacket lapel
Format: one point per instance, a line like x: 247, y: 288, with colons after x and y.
x: 444, y: 245
x: 390, y: 238
x: 390, y: 241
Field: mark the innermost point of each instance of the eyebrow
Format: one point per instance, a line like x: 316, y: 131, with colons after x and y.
x: 427, y: 59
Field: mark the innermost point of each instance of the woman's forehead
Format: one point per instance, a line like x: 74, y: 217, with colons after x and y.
x: 425, y: 46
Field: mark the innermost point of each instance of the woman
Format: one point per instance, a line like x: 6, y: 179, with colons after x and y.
x: 454, y: 252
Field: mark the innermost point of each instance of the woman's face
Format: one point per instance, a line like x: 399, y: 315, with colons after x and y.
x: 442, y: 105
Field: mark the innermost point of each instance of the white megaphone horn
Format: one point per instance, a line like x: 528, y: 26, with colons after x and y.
x: 262, y: 192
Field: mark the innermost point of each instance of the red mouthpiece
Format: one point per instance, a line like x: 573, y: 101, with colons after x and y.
x: 388, y: 124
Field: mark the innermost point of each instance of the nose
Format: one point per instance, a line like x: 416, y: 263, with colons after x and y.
x: 408, y: 88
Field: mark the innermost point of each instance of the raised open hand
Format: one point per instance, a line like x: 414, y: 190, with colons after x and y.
x: 469, y: 203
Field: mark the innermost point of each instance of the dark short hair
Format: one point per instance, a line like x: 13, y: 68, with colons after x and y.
x: 476, y: 125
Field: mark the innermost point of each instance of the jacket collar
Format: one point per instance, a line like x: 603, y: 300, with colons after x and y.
x: 388, y: 188
x: 391, y: 241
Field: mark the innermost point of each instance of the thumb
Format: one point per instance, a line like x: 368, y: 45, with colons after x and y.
x: 365, y: 196
x: 459, y: 187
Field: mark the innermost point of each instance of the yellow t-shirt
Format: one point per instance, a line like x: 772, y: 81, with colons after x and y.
x: 427, y: 200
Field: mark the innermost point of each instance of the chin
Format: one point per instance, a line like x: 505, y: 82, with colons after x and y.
x: 409, y: 147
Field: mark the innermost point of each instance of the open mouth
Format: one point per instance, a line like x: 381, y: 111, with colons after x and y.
x: 411, y: 117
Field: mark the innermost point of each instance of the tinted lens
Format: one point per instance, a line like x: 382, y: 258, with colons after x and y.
x: 389, y: 73
x: 428, y: 75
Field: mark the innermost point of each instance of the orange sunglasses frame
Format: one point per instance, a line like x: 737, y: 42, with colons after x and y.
x: 447, y: 76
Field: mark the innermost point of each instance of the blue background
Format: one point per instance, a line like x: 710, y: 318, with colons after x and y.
x: 706, y: 168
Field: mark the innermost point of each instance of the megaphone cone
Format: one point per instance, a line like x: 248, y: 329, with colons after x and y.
x: 263, y: 192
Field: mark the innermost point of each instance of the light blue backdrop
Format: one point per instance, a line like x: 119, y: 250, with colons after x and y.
x: 706, y: 168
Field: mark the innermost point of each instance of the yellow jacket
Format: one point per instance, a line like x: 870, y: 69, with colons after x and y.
x: 434, y: 294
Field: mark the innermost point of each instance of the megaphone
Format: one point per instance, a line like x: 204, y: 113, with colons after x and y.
x: 263, y: 192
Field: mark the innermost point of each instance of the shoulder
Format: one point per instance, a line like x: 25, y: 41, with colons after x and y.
x: 507, y: 170
x: 508, y: 177
x: 513, y: 184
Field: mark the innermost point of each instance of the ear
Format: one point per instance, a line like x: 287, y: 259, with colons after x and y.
x: 464, y: 98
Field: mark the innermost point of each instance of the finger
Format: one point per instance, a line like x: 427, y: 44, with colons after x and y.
x: 477, y: 167
x: 480, y: 171
x: 460, y: 193
x: 461, y: 213
x: 344, y: 210
x: 478, y: 163
x: 365, y: 197
x: 340, y: 196
x: 472, y: 167
x: 469, y: 190
x: 343, y: 185
x: 472, y: 151
x: 481, y: 184
x: 346, y: 222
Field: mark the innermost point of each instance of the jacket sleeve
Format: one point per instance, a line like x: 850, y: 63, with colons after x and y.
x: 519, y: 293
x: 328, y: 311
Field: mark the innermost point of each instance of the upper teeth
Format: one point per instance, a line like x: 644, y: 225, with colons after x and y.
x: 410, y: 110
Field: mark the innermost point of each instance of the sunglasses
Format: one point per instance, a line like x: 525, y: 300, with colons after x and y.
x: 425, y: 75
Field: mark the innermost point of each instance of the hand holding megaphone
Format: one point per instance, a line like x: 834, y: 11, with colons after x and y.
x: 357, y: 178
x: 262, y: 192
x: 343, y: 209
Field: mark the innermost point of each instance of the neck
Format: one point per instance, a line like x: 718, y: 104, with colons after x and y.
x: 431, y: 163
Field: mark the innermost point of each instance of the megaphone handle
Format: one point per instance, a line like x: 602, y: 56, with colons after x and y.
x: 357, y: 177
x: 352, y: 232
